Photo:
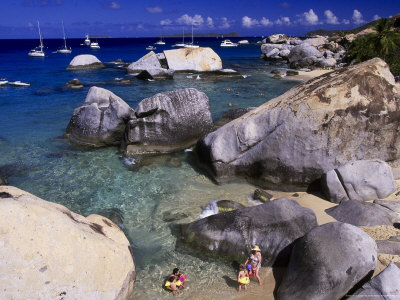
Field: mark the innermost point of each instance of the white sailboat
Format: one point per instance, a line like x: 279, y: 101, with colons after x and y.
x: 191, y: 45
x: 64, y: 50
x: 87, y: 40
x: 160, y: 42
x: 38, y: 51
x: 183, y: 40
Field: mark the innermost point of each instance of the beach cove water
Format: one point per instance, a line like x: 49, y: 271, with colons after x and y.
x: 148, y: 201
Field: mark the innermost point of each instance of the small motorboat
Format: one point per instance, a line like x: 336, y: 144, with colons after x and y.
x: 228, y: 43
x: 94, y: 45
x: 151, y: 48
x: 243, y: 42
x: 18, y: 83
x: 3, y: 81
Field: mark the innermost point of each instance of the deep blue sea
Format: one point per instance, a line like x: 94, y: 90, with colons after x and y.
x: 148, y: 200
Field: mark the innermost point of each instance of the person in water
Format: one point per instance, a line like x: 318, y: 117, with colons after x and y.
x: 171, y: 285
x: 255, y: 260
x: 180, y: 278
x: 243, y: 278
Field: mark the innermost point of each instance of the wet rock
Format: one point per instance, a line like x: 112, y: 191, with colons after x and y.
x: 171, y: 216
x: 360, y: 213
x: 174, y: 162
x: 230, y: 115
x: 115, y: 215
x: 85, y: 61
x: 100, y: 121
x: 328, y: 262
x: 361, y: 180
x: 228, y: 205
x: 292, y: 73
x: 168, y: 122
x: 69, y: 255
x: 262, y: 195
x: 385, y: 285
x: 156, y: 74
x: 74, y: 84
x: 272, y: 226
x: 315, y: 127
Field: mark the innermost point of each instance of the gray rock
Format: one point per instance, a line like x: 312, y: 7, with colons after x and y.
x: 168, y: 122
x: 392, y: 205
x: 326, y: 63
x: 296, y: 42
x: 304, y: 55
x: 389, y: 246
x: 156, y: 74
x: 362, y: 213
x: 230, y: 115
x: 74, y: 84
x: 101, y: 120
x: 85, y: 61
x: 327, y: 262
x: 315, y: 127
x: 292, y: 73
x: 385, y: 286
x: 228, y: 205
x: 272, y: 226
x: 262, y: 195
x: 148, y: 62
x: 361, y: 180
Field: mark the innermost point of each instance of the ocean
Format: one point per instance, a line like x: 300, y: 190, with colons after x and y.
x: 148, y: 199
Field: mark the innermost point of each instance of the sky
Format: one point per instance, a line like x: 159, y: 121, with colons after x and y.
x: 149, y: 18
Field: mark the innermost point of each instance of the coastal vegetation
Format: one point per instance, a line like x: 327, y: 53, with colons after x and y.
x: 383, y: 43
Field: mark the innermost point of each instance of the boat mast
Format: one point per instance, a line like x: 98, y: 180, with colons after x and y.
x: 65, y: 40
x: 192, y: 34
x: 183, y: 35
x: 40, y: 36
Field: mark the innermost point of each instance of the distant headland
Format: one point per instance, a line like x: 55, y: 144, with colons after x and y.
x: 211, y: 34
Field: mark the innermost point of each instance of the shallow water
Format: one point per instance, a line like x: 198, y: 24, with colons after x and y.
x: 148, y: 201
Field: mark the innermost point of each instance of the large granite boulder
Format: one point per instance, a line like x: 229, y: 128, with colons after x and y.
x: 361, y: 180
x: 49, y: 252
x: 149, y: 61
x: 328, y: 262
x: 390, y: 204
x: 272, y: 226
x: 316, y: 42
x: 101, y: 120
x: 278, y: 38
x: 202, y: 59
x: 304, y: 55
x: 168, y: 122
x: 385, y: 286
x: 363, y: 213
x: 85, y: 61
x: 276, y: 51
x: 311, y: 129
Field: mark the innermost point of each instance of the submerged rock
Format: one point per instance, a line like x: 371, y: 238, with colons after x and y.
x: 74, y: 84
x: 363, y: 213
x: 101, y: 120
x: 328, y: 262
x: 167, y: 122
x: 311, y: 129
x: 361, y: 180
x: 50, y: 251
x: 202, y: 59
x: 85, y: 61
x: 272, y: 226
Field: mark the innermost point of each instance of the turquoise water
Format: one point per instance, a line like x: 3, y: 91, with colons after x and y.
x: 148, y: 200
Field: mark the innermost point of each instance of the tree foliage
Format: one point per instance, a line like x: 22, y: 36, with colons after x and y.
x: 385, y: 43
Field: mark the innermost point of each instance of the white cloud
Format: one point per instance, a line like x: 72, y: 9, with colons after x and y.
x: 188, y: 20
x: 165, y: 22
x: 224, y: 23
x: 346, y: 22
x: 249, y: 22
x: 330, y: 17
x: 139, y: 27
x: 310, y: 17
x: 154, y: 10
x: 376, y: 17
x: 283, y: 21
x: 210, y: 22
x: 357, y: 17
x: 266, y: 22
x: 114, y: 5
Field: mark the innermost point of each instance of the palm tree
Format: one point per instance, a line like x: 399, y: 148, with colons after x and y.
x: 384, y: 40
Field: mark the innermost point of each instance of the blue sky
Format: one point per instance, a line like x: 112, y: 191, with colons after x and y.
x: 148, y: 18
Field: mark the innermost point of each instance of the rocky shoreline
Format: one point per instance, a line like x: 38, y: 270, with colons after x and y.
x: 334, y: 136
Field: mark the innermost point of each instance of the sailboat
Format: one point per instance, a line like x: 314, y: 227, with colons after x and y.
x: 64, y: 50
x: 191, y: 45
x: 183, y: 40
x: 38, y: 51
x: 87, y: 40
x: 160, y: 42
